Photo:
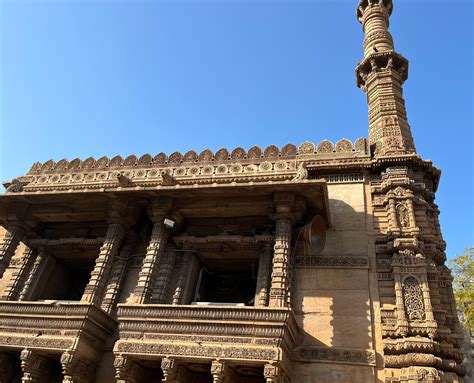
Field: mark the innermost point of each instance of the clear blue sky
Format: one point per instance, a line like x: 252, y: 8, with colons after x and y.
x: 93, y: 78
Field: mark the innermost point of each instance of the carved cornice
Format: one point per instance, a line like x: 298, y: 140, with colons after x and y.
x: 255, y: 165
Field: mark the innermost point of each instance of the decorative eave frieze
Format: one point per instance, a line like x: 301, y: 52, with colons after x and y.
x: 222, y: 167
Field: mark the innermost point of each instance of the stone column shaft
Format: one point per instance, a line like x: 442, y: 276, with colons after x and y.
x: 264, y: 276
x: 119, y: 270
x: 180, y: 285
x: 146, y: 278
x: 426, y: 298
x: 279, y: 292
x: 35, y: 274
x: 164, y: 276
x: 19, y: 276
x: 158, y: 211
x: 95, y: 289
x: 8, y: 246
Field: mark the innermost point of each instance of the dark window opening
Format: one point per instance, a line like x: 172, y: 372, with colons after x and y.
x: 222, y: 287
x: 67, y: 280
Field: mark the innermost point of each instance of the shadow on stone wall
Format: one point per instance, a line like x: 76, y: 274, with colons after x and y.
x: 332, y: 300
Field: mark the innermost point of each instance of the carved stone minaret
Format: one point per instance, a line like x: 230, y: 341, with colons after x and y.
x: 381, y: 75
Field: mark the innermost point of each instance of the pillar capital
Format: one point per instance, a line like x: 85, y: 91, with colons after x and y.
x: 218, y: 370
x: 76, y: 369
x: 126, y: 370
x: 159, y: 209
x: 271, y: 373
x: 169, y: 366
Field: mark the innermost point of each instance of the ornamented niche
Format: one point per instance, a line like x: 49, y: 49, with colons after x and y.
x: 413, y: 299
x: 403, y: 217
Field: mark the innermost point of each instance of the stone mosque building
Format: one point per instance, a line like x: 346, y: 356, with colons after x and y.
x: 315, y: 263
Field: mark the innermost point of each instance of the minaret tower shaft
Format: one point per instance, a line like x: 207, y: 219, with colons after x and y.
x: 381, y: 75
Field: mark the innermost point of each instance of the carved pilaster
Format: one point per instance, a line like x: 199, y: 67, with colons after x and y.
x: 126, y: 371
x: 19, y: 276
x: 8, y: 246
x: 218, y: 371
x: 119, y: 269
x: 402, y: 324
x: 169, y: 367
x: 159, y: 236
x: 264, y: 274
x: 95, y: 289
x: 280, y: 284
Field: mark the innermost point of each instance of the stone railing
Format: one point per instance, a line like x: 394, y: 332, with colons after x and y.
x: 206, y: 331
x: 51, y: 325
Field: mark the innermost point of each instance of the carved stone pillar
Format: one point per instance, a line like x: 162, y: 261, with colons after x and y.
x: 75, y: 369
x: 95, y: 289
x: 19, y: 276
x: 35, y: 367
x: 163, y: 276
x: 218, y: 371
x: 180, y: 285
x: 36, y: 271
x: 159, y: 236
x: 119, y: 269
x: 126, y: 371
x: 279, y: 292
x: 8, y: 246
x: 263, y: 278
x: 169, y: 368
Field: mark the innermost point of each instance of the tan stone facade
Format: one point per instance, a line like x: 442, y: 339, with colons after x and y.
x: 318, y: 263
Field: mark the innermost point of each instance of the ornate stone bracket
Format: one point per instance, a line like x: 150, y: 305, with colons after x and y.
x: 76, y: 369
x: 127, y: 371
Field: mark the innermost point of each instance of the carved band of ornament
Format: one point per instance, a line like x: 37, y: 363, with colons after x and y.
x: 202, y: 338
x: 254, y: 314
x: 35, y: 242
x: 218, y: 239
x: 365, y: 357
x: 180, y: 350
x: 332, y: 262
x: 49, y: 343
x: 224, y: 328
x: 419, y: 359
